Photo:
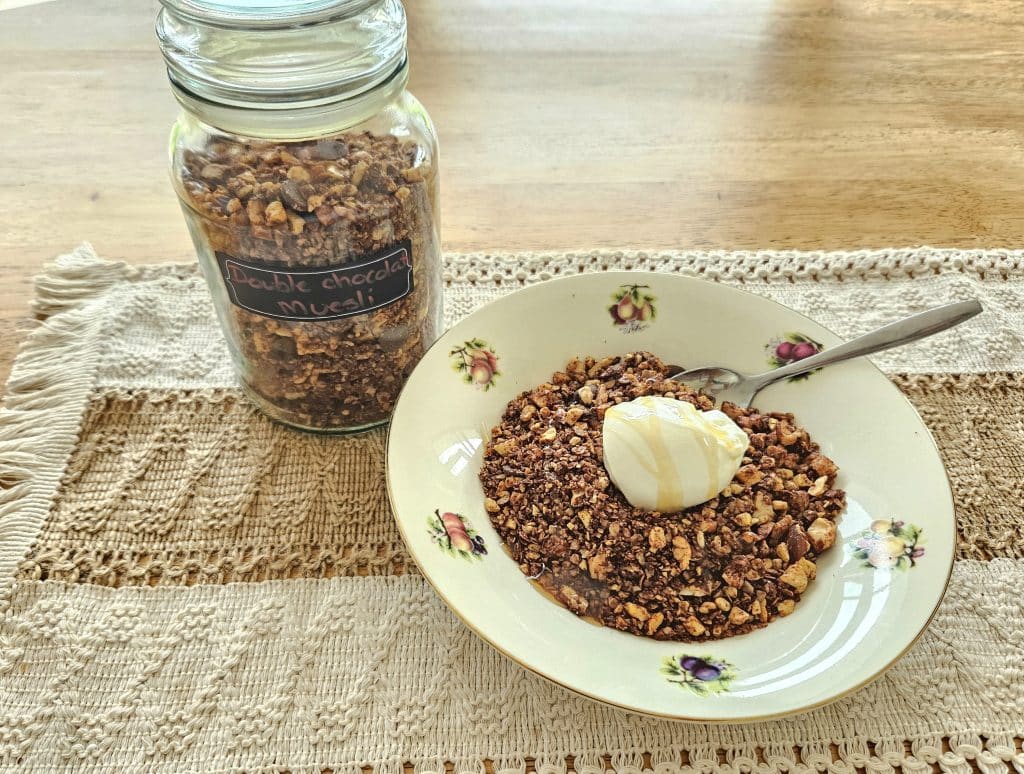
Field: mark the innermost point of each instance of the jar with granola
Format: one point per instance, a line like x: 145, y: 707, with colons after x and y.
x: 308, y: 179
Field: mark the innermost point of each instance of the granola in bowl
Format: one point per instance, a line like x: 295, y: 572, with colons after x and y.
x: 718, y: 569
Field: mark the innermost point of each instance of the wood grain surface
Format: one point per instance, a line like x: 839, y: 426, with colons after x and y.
x: 571, y: 124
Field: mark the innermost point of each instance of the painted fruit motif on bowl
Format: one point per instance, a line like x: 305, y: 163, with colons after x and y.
x: 791, y: 348
x: 702, y: 675
x: 890, y: 544
x: 633, y: 307
x: 477, y: 362
x: 452, y: 532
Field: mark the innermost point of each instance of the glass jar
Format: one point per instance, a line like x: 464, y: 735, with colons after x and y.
x: 308, y: 178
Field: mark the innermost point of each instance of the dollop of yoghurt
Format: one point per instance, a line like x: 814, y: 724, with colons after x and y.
x: 666, y: 454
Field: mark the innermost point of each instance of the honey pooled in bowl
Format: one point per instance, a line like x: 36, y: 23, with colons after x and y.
x: 713, y: 570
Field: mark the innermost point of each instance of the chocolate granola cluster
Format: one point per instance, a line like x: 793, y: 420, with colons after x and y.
x: 715, y: 570
x: 315, y: 204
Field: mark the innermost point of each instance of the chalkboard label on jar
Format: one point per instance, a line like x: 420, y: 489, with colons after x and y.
x: 325, y: 293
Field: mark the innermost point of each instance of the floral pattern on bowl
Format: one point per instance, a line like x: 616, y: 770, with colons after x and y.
x: 452, y: 532
x: 790, y: 348
x: 477, y: 363
x: 889, y: 544
x: 702, y: 675
x: 633, y: 309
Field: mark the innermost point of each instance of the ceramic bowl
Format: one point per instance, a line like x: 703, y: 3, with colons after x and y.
x: 876, y: 589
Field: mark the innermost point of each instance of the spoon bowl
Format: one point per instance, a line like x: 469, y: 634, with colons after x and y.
x: 722, y: 384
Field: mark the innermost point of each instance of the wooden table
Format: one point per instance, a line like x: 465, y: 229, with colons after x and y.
x: 571, y: 124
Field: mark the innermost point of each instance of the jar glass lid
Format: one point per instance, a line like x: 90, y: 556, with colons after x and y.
x: 271, y: 54
x: 266, y: 13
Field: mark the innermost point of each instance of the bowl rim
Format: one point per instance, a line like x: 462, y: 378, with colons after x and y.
x: 628, y: 707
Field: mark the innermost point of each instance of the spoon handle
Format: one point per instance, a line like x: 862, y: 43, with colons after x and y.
x: 892, y: 335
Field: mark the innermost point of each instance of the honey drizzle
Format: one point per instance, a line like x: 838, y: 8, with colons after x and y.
x: 665, y: 473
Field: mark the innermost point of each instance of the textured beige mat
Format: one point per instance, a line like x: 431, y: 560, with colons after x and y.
x: 186, y: 586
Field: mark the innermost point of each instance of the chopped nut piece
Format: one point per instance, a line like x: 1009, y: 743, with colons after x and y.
x: 795, y: 577
x: 781, y: 528
x: 572, y: 416
x: 213, y: 171
x: 637, y: 612
x: 819, y: 486
x: 749, y: 475
x: 490, y: 505
x: 573, y: 600
x: 275, y: 213
x: 733, y: 574
x: 654, y: 623
x: 823, y: 466
x: 808, y: 568
x: 359, y: 172
x: 797, y: 542
x: 549, y: 434
x: 254, y: 210
x: 505, y: 448
x: 762, y: 610
x: 576, y: 369
x: 681, y: 552
x: 763, y: 510
x: 822, y: 534
x: 788, y: 435
x: 694, y: 627
x: 786, y: 606
x: 599, y: 566
x: 738, y: 616
x: 656, y: 538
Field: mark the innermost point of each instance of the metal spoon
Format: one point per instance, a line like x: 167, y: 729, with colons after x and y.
x: 724, y: 384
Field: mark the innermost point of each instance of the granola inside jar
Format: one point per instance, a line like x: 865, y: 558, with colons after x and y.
x: 307, y: 175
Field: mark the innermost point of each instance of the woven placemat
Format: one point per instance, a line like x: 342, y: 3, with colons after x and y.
x: 185, y: 586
